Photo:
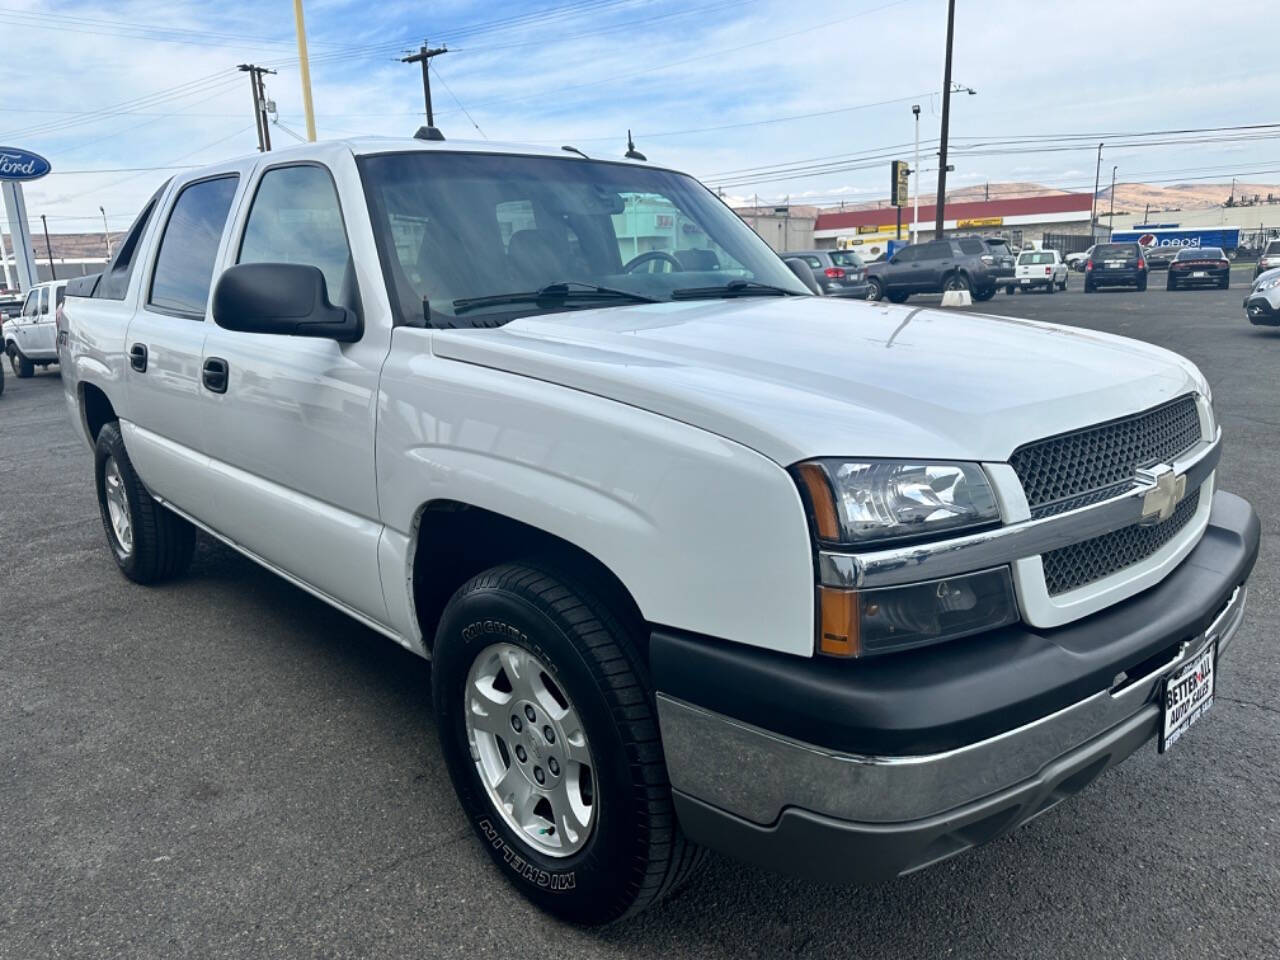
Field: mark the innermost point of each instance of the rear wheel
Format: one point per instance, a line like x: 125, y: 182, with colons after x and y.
x: 1009, y: 288
x: 1050, y: 287
x: 1226, y: 283
x: 1088, y: 287
x: 955, y: 281
x: 875, y: 289
x: 548, y: 725
x: 149, y: 542
x: 1142, y: 284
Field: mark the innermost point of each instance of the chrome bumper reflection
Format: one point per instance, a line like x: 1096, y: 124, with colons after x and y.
x: 756, y: 774
x: 991, y: 548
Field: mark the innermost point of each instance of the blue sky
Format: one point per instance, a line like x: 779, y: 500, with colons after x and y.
x: 114, y: 87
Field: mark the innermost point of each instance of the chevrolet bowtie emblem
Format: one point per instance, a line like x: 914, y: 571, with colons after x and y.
x: 1167, y: 490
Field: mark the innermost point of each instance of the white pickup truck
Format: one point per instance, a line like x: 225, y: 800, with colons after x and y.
x: 700, y: 560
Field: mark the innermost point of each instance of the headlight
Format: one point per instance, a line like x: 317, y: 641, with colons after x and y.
x: 1267, y: 284
x: 866, y: 501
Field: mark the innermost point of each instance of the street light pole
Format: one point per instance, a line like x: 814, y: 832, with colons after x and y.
x: 915, y: 170
x: 1093, y: 206
x: 106, y: 234
x: 1111, y: 217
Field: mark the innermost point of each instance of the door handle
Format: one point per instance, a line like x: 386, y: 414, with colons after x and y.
x: 216, y: 373
x: 138, y: 357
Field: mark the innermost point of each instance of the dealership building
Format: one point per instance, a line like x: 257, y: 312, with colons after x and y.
x: 1018, y: 219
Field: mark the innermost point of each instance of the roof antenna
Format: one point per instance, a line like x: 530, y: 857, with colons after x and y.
x: 632, y: 153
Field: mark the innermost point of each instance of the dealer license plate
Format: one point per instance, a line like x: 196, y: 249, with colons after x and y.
x: 1198, y: 273
x: 1188, y: 694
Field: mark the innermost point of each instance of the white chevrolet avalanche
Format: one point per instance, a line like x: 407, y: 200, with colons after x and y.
x: 701, y: 561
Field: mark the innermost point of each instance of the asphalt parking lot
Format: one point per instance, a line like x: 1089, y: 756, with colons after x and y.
x: 225, y: 767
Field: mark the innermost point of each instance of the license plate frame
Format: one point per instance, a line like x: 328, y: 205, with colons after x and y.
x: 1183, y: 703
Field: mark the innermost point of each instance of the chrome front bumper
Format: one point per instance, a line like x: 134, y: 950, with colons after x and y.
x: 754, y: 775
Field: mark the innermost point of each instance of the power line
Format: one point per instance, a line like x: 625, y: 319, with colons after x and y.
x: 458, y: 102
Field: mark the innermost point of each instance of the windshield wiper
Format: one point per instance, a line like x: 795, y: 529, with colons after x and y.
x: 554, y: 293
x: 734, y: 288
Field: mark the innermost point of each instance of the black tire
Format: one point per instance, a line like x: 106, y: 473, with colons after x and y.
x: 23, y: 368
x: 981, y: 296
x: 1089, y: 287
x: 1009, y: 288
x: 1051, y: 287
x: 1142, y: 284
x: 875, y: 289
x: 1170, y: 284
x: 634, y: 853
x: 898, y: 297
x: 1, y: 378
x: 162, y: 542
x: 1226, y: 283
x: 955, y: 281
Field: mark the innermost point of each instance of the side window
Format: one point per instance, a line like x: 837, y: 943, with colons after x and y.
x: 62, y: 295
x: 114, y: 284
x: 189, y: 247
x: 936, y: 250
x: 813, y: 262
x: 295, y: 218
x: 907, y: 255
x: 32, y: 305
x: 44, y: 301
x: 972, y: 245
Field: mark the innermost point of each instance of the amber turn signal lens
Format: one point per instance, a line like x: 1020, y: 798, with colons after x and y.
x: 821, y: 499
x: 838, y: 623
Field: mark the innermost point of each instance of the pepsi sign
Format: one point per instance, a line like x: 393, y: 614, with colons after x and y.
x: 18, y: 164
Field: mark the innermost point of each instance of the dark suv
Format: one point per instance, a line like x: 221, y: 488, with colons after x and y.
x: 1115, y: 265
x: 963, y: 264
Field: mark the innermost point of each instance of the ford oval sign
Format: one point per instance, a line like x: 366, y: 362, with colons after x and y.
x: 18, y: 164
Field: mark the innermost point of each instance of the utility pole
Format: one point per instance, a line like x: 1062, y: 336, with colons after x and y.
x: 423, y: 56
x: 1093, y: 206
x: 1146, y: 215
x: 106, y: 233
x: 915, y: 170
x: 259, y: 103
x: 304, y: 65
x: 48, y: 249
x: 1111, y: 217
x: 939, y: 213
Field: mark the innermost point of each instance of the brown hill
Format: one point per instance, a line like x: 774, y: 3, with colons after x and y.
x: 1129, y: 196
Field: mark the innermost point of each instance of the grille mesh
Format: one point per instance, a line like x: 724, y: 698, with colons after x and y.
x: 1080, y: 563
x: 1085, y: 466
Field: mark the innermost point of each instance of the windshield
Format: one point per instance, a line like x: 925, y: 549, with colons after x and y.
x: 455, y: 227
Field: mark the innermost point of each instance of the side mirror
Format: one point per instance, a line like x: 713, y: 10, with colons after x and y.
x: 284, y: 298
x: 805, y: 273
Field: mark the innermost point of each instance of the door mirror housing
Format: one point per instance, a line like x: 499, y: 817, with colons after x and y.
x: 805, y: 273
x: 282, y: 298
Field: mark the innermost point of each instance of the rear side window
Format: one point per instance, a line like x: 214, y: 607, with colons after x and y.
x: 114, y: 284
x: 814, y: 262
x: 189, y: 247
x: 62, y: 295
x: 295, y: 218
x: 972, y: 245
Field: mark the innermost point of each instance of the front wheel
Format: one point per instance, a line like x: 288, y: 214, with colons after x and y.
x: 149, y: 542
x: 23, y: 368
x: 548, y: 725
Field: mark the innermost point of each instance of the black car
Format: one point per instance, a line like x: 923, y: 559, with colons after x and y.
x: 1115, y: 265
x: 963, y: 264
x: 1200, y: 266
x: 1159, y: 258
x: 839, y: 273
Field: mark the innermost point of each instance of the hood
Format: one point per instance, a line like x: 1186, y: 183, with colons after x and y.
x: 802, y: 377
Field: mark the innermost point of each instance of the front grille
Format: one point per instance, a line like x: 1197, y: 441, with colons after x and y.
x: 1069, y: 567
x: 1082, y: 467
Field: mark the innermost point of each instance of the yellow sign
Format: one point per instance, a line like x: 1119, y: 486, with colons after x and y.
x: 869, y: 228
x: 899, y: 172
x: 980, y: 222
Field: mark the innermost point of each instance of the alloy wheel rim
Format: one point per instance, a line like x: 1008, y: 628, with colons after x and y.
x: 530, y: 750
x: 117, y: 505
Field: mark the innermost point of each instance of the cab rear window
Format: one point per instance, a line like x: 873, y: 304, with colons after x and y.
x: 1035, y: 258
